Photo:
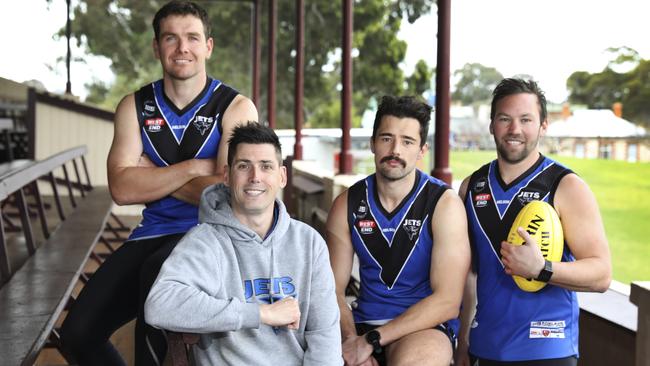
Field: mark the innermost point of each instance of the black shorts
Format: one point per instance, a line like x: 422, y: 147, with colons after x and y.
x: 566, y: 361
x: 363, y: 328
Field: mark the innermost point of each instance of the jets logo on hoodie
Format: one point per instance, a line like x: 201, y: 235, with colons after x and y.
x: 263, y: 289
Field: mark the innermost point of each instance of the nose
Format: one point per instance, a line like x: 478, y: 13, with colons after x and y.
x: 182, y: 45
x: 254, y: 175
x: 514, y: 127
x: 395, y: 147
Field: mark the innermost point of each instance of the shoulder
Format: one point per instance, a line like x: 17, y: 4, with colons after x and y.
x: 462, y: 191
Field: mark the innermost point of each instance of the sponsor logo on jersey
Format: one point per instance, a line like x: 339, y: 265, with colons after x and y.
x: 481, y: 200
x: 268, y: 290
x: 412, y: 227
x: 367, y: 226
x: 526, y: 196
x: 388, y: 230
x: 154, y: 124
x: 203, y: 123
x: 480, y: 184
x: 547, y: 329
x: 149, y: 108
x: 503, y: 202
x: 362, y: 210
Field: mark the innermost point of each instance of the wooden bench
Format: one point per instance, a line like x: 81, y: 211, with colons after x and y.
x: 34, y: 295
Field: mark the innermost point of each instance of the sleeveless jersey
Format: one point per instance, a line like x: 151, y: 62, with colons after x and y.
x: 511, y: 324
x: 170, y: 136
x: 394, y: 249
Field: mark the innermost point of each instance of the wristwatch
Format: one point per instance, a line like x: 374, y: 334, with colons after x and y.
x: 546, y: 273
x: 373, y: 338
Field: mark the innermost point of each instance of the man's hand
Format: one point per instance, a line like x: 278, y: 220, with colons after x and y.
x: 357, y: 352
x: 285, y: 312
x: 524, y: 260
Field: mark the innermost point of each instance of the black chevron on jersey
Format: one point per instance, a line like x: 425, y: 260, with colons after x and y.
x: 488, y: 216
x: 391, y: 256
x: 199, y: 126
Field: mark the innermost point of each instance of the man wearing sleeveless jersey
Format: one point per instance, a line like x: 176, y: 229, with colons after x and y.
x: 409, y: 232
x: 170, y: 143
x: 511, y: 326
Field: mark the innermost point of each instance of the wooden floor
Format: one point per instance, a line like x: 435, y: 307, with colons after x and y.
x: 17, y: 252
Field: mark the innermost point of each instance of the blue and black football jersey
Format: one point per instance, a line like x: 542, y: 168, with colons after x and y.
x: 511, y: 324
x: 394, y: 248
x: 169, y: 136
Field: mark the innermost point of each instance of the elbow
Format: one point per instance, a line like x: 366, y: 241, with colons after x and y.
x: 121, y: 197
x: 603, y: 284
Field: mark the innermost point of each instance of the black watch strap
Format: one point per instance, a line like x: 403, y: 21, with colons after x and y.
x: 373, y: 337
x: 546, y: 273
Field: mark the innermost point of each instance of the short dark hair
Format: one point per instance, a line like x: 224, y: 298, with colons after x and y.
x: 253, y: 133
x: 511, y: 86
x: 402, y: 107
x: 181, y: 8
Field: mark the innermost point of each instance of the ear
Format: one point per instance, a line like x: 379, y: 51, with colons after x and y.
x: 226, y: 176
x: 423, y: 150
x: 210, y: 46
x: 156, y: 50
x: 372, y: 145
x: 491, y: 128
x: 543, y: 127
x: 283, y: 176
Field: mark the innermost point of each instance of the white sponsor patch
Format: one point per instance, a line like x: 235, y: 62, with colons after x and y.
x: 547, y: 329
x: 549, y: 324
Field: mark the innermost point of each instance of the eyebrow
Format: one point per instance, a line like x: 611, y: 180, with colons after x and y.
x: 265, y: 161
x: 406, y: 137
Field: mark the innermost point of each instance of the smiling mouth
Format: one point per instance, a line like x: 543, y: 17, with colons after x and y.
x: 254, y: 192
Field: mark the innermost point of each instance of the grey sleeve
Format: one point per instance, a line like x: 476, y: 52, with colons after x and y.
x: 322, y: 331
x: 183, y: 297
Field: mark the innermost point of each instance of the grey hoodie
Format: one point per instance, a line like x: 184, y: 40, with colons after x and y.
x: 219, y: 273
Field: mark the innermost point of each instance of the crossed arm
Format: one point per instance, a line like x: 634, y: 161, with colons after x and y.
x: 449, y: 265
x: 133, y: 178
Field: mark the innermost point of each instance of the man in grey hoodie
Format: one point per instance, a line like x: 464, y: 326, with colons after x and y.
x: 256, y: 284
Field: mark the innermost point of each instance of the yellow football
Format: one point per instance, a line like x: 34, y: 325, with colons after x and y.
x: 541, y: 222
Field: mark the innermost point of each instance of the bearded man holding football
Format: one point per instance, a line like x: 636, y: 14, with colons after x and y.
x: 514, y: 326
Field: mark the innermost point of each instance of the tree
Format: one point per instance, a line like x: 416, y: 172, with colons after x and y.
x: 602, y: 89
x: 475, y: 84
x: 122, y: 32
x: 420, y: 81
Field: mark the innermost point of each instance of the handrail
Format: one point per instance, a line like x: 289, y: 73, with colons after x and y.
x: 19, y: 178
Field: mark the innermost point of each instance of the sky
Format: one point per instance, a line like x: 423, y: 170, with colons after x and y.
x: 547, y: 39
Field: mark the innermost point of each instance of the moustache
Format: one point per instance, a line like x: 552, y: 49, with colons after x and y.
x: 392, y: 157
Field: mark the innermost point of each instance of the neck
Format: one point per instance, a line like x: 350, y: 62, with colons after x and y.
x: 509, y: 171
x: 392, y: 192
x: 259, y: 223
x: 183, y: 92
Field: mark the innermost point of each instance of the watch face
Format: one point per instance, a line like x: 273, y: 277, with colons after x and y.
x: 372, y: 336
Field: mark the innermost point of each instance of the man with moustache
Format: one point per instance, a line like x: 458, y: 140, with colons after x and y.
x: 511, y: 326
x: 170, y: 143
x: 409, y: 232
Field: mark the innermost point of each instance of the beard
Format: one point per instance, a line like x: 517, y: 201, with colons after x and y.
x: 514, y: 157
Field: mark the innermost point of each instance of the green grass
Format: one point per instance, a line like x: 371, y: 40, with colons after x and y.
x: 623, y: 193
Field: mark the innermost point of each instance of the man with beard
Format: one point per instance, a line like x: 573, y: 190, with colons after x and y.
x: 409, y: 232
x: 511, y: 326
x: 170, y: 143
